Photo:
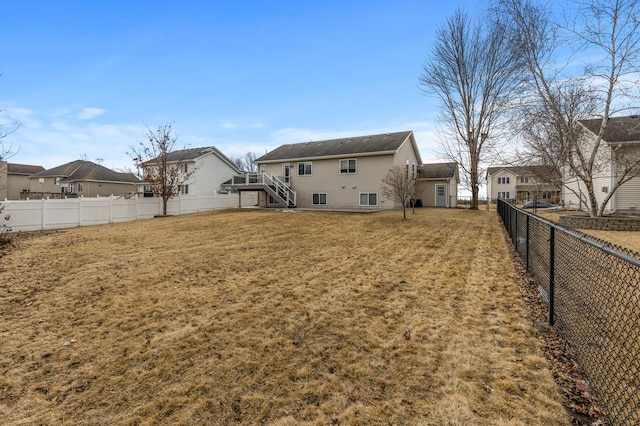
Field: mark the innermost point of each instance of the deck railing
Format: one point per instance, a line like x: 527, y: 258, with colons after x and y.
x: 276, y: 183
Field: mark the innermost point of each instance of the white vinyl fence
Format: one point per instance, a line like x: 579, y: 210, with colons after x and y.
x: 39, y: 215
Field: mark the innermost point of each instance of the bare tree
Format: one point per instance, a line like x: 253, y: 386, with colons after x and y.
x: 473, y: 71
x: 607, y: 33
x: 163, y: 168
x: 246, y: 162
x: 399, y: 185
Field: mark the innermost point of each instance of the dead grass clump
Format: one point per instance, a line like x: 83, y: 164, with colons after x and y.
x: 259, y: 317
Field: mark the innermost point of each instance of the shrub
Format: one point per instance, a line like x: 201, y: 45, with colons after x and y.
x: 6, y: 238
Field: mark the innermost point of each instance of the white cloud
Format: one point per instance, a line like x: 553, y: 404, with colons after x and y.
x: 228, y: 125
x: 89, y: 113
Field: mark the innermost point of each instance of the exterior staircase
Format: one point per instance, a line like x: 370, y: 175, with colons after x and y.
x: 270, y: 183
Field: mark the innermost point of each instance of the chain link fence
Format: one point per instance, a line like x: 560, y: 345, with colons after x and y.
x: 592, y: 291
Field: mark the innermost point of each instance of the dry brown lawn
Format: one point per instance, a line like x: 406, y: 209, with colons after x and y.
x: 627, y: 239
x: 264, y: 317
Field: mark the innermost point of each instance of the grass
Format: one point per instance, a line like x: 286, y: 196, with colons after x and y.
x: 627, y: 239
x: 265, y: 317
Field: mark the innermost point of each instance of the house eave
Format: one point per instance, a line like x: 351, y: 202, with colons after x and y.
x: 328, y: 157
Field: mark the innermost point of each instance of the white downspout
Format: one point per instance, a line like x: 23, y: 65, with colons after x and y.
x: 614, y: 175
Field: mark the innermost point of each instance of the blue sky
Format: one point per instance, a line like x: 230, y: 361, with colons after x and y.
x: 85, y: 78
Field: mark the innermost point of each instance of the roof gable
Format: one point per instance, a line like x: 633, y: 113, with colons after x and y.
x: 192, y: 154
x: 356, y: 146
x: 619, y: 129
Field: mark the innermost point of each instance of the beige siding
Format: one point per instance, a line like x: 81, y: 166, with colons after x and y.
x: 49, y: 185
x: 627, y: 197
x: 406, y: 155
x: 104, y: 189
x: 343, y: 190
x: 3, y: 180
x: 16, y: 184
x: 427, y: 192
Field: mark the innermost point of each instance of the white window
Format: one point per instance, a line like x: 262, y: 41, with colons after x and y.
x: 503, y: 180
x: 56, y: 181
x: 368, y: 199
x: 185, y: 167
x: 80, y: 187
x: 524, y: 180
x: 347, y: 166
x: 40, y: 181
x: 263, y: 168
x: 319, y: 199
x: 304, y: 169
x: 183, y: 189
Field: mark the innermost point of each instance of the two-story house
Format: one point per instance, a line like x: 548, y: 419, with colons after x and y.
x: 341, y: 173
x: 523, y: 183
x: 207, y: 168
x: 617, y: 159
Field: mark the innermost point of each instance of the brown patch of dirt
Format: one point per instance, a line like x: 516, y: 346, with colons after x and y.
x: 263, y: 317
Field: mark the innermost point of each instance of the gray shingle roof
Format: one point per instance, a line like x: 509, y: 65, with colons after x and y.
x: 23, y: 169
x: 523, y: 170
x: 191, y: 154
x: 437, y: 171
x: 86, y: 170
x: 361, y: 145
x: 619, y: 129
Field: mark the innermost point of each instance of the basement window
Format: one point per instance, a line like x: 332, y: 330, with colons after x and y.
x: 368, y: 199
x: 319, y: 199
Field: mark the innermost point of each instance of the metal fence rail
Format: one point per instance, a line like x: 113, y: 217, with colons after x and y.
x: 592, y: 291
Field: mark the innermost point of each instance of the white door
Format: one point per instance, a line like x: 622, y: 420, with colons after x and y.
x: 286, y: 172
x: 441, y: 195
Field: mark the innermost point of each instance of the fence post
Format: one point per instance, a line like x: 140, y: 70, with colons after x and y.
x: 527, y: 245
x: 552, y: 238
x: 515, y: 225
x: 43, y: 213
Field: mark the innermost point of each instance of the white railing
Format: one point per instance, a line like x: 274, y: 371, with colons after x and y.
x: 45, y: 214
x: 281, y: 189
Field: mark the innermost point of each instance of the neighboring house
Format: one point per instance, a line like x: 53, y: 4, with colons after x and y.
x: 80, y: 178
x: 341, y: 173
x: 209, y: 167
x: 14, y: 179
x: 523, y: 183
x: 619, y: 152
x: 437, y: 185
